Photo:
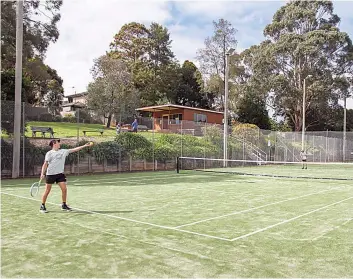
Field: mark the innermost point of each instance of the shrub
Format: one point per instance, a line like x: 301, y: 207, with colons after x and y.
x: 69, y: 118
x: 45, y: 117
x: 213, y: 134
x: 109, y: 151
x: 84, y: 117
x: 250, y: 132
x: 132, y: 141
x: 57, y: 118
x: 34, y: 156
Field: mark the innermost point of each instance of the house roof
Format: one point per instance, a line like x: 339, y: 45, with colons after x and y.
x: 170, y: 107
x: 77, y: 95
x: 76, y: 105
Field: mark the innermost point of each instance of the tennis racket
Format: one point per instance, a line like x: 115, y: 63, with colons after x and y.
x: 35, y: 188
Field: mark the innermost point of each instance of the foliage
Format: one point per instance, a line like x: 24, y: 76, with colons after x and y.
x: 247, y: 131
x: 54, y: 96
x: 213, y: 56
x: 147, y: 52
x: 303, y: 43
x: 109, y: 151
x: 165, y: 152
x: 189, y: 92
x: 132, y: 141
x: 213, y: 134
x: 279, y: 126
x: 252, y: 109
x: 112, y: 91
x: 40, y: 82
x: 192, y: 146
x: 34, y: 155
x: 131, y: 42
x: 159, y: 46
x: 69, y: 118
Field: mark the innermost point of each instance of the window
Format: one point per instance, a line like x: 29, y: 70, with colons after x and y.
x: 177, y: 117
x: 200, y: 117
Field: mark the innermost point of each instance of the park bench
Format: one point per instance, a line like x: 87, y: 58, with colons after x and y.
x: 42, y: 130
x: 93, y: 131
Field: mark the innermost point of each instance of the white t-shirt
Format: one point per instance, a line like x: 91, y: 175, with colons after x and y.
x: 56, y: 161
x: 303, y: 155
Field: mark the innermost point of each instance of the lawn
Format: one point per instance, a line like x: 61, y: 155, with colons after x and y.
x: 192, y: 224
x: 67, y: 130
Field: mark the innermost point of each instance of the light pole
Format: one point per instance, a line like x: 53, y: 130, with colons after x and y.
x: 18, y: 90
x: 304, y: 97
x: 344, y: 127
x: 225, y: 118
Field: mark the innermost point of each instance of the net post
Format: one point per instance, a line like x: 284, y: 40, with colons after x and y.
x: 177, y: 164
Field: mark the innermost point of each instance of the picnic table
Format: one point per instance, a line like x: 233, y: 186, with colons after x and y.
x: 93, y: 131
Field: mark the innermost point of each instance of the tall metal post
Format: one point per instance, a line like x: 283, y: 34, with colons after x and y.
x: 78, y: 140
x: 303, y: 126
x: 225, y: 118
x: 344, y: 129
x: 18, y: 87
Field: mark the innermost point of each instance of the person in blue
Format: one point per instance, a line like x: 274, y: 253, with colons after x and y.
x: 134, y: 126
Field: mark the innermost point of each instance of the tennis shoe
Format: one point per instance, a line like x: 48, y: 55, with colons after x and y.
x: 43, y: 209
x: 65, y: 207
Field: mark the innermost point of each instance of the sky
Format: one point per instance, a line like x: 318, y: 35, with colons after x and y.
x: 87, y: 27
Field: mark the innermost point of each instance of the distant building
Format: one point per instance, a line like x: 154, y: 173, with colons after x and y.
x: 73, y: 102
x: 169, y: 117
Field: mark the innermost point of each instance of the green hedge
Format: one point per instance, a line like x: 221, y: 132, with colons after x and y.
x: 126, y: 145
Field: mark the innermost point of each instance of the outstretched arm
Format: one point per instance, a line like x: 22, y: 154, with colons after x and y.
x: 79, y: 148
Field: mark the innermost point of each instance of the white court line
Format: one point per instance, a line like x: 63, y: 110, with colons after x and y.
x: 288, y: 220
x: 139, y: 179
x: 116, y: 178
x: 130, y: 180
x: 128, y: 219
x: 250, y: 209
x: 85, y: 178
x: 141, y: 241
x: 330, y: 230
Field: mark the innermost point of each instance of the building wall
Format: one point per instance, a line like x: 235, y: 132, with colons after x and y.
x: 211, y: 117
x: 80, y: 99
x: 190, y: 121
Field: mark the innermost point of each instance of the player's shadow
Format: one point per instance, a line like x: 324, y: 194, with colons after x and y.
x: 95, y: 211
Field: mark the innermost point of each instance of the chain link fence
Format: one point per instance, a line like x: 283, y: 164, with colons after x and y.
x: 156, y: 144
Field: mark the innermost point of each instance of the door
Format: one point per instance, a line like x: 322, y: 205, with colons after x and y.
x: 165, y: 122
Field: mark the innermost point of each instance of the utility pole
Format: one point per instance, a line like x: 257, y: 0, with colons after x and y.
x: 225, y: 117
x: 344, y: 128
x: 18, y: 89
x: 304, y: 112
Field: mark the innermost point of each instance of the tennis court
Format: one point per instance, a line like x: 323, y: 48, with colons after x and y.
x: 191, y: 224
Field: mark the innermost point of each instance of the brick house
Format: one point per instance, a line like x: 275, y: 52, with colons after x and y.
x: 174, y: 118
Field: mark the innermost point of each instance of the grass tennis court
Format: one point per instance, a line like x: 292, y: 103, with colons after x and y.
x: 192, y: 224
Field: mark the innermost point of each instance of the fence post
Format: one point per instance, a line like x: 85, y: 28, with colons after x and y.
x: 23, y: 140
x: 313, y: 148
x: 78, y: 140
x: 326, y: 147
x: 153, y: 131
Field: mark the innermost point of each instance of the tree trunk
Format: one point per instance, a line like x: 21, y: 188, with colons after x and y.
x: 298, y: 121
x: 109, y: 120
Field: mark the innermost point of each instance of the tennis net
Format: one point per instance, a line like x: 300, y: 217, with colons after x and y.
x: 312, y: 170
